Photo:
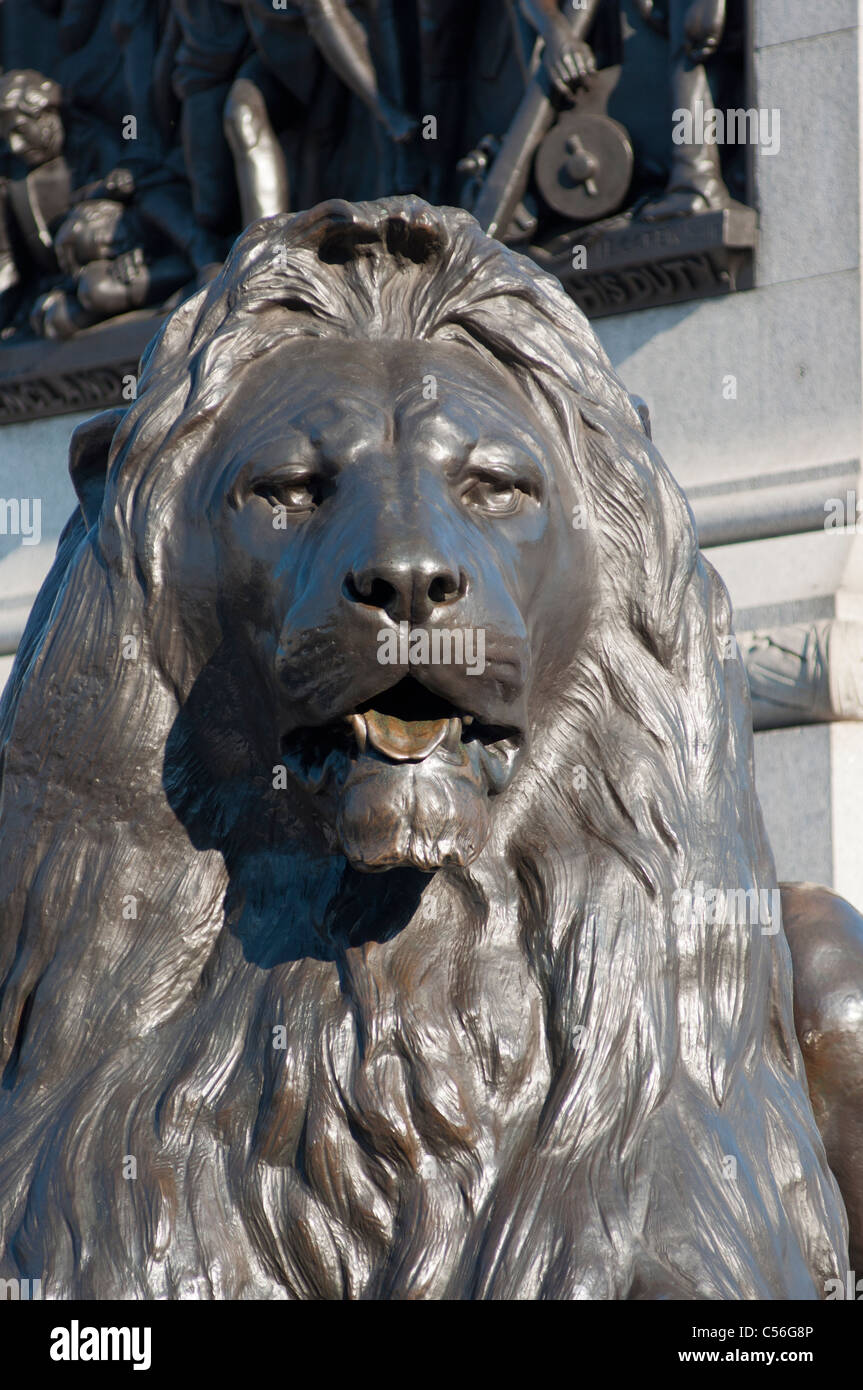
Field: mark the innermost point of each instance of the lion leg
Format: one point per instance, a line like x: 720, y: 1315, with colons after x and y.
x: 825, y: 934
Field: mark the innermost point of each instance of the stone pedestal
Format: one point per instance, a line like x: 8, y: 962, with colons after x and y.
x: 761, y: 388
x: 810, y: 781
x: 756, y: 401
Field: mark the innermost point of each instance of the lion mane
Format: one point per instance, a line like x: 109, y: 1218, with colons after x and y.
x: 235, y: 1070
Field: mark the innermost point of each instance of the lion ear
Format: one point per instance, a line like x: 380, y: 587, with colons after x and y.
x: 88, y: 460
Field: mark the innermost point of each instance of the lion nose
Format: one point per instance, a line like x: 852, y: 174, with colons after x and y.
x: 404, y: 591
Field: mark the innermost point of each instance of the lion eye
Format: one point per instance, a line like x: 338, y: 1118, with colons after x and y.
x: 499, y: 495
x: 295, y: 495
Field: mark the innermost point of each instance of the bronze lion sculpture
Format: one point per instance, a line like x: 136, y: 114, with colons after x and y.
x: 339, y: 962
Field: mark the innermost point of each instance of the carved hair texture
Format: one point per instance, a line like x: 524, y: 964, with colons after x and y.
x: 527, y: 1079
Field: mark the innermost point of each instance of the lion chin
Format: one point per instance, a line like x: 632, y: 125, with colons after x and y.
x: 396, y: 793
x: 427, y: 815
x: 404, y: 779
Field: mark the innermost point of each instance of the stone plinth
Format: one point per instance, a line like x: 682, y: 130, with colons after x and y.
x: 756, y: 400
x: 810, y: 782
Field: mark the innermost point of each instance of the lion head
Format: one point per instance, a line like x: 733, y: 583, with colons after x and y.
x: 376, y: 711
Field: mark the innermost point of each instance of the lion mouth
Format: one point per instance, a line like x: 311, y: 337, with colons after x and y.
x: 404, y: 724
x: 403, y: 740
x: 407, y: 723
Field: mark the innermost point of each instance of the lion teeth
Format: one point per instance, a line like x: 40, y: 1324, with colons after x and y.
x: 358, y: 724
x: 452, y: 737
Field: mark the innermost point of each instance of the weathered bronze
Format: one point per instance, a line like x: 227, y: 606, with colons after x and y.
x: 386, y: 906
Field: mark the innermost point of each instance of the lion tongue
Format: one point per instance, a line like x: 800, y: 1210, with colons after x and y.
x: 403, y: 740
